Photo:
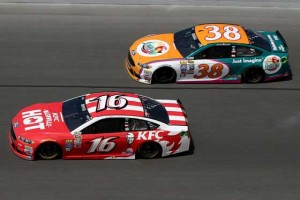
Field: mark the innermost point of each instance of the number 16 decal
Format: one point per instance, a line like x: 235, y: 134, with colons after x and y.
x: 112, y: 102
x: 102, y: 145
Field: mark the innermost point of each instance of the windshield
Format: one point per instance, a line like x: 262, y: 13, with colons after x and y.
x: 257, y: 39
x: 186, y: 41
x: 154, y: 110
x: 75, y: 113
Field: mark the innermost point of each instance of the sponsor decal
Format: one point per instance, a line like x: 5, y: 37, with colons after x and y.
x: 272, y: 43
x: 184, y: 133
x: 147, y: 72
x: 77, y: 140
x: 129, y: 138
x: 26, y: 140
x: 133, y: 52
x: 183, y: 70
x: 16, y: 124
x: 149, y: 135
x: 68, y: 145
x: 29, y: 157
x: 83, y: 108
x: 147, y: 78
x: 55, y: 117
x: 152, y: 48
x: 102, y: 145
x: 128, y: 151
x: 190, y: 68
x: 281, y: 47
x: 247, y: 60
x: 47, y: 140
x: 275, y: 37
x: 272, y: 64
x: 231, y: 77
x: 186, y: 67
x: 28, y: 150
x: 33, y: 120
x: 48, y: 118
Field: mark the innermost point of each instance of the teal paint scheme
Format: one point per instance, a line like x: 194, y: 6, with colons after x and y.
x: 210, y: 53
x: 271, y: 59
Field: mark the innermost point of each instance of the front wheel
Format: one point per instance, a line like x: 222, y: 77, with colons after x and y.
x: 149, y: 150
x: 164, y: 75
x: 49, y: 151
x: 253, y: 75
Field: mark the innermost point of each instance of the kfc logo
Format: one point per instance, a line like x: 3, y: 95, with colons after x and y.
x: 129, y: 138
x: 149, y: 135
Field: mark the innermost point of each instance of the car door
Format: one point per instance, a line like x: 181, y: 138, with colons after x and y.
x: 139, y: 131
x: 103, y: 139
x: 213, y: 63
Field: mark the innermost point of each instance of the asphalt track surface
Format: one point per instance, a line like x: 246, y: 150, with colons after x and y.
x: 246, y: 136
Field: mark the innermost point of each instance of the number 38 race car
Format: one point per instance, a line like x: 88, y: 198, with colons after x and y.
x: 105, y: 125
x: 209, y: 53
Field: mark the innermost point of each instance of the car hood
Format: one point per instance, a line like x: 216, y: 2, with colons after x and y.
x: 154, y: 47
x: 40, y: 119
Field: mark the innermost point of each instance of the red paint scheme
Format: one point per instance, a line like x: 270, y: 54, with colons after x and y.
x: 44, y: 122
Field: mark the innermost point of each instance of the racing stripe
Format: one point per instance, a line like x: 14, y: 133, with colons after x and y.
x: 177, y: 115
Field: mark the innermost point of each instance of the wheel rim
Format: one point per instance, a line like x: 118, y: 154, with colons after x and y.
x: 254, y: 75
x: 48, y: 151
x: 149, y: 150
x: 165, y: 75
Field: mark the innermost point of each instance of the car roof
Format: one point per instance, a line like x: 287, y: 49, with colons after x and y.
x: 114, y: 103
x: 221, y: 33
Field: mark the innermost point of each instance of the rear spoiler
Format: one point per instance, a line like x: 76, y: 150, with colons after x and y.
x: 176, y: 112
x: 282, y: 39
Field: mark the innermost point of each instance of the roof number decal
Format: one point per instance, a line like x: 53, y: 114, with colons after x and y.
x: 230, y: 33
x: 113, y: 102
x: 221, y: 33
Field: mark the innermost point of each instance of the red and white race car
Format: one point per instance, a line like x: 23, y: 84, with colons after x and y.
x: 104, y: 125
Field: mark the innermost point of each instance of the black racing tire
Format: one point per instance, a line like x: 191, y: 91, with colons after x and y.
x: 253, y: 75
x: 164, y: 75
x: 49, y: 151
x: 149, y: 150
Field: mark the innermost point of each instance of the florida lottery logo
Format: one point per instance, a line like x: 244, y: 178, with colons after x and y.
x: 152, y: 48
x: 272, y: 64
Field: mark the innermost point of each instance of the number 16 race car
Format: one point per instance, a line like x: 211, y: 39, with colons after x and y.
x: 104, y: 125
x: 209, y: 53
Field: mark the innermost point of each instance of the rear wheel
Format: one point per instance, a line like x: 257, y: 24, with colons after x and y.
x: 165, y: 75
x: 149, y: 150
x: 49, y: 151
x: 253, y: 75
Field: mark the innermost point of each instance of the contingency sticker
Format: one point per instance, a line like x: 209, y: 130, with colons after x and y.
x: 272, y: 64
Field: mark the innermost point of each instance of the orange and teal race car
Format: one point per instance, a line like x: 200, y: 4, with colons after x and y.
x: 209, y: 53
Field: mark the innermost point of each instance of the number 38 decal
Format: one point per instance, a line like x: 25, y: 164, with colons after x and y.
x: 219, y: 33
x: 211, y: 71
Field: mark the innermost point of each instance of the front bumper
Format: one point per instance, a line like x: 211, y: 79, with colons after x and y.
x: 134, y: 72
x: 18, y: 148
